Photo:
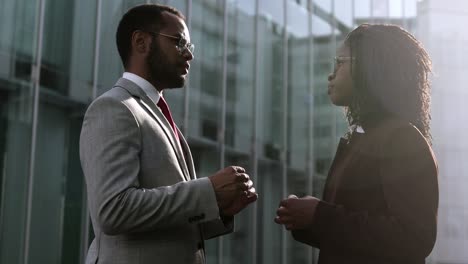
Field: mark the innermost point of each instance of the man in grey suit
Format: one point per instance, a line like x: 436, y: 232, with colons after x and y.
x: 145, y: 201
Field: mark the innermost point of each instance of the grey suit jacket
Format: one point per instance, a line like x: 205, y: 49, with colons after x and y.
x: 145, y: 202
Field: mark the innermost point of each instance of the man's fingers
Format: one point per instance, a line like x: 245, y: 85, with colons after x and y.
x: 249, y: 196
x: 251, y: 191
x: 282, y: 211
x: 250, y: 184
x: 243, y: 186
x: 252, y: 197
x: 237, y: 169
x: 282, y: 220
x: 242, y: 177
x: 283, y: 203
x: 278, y: 220
x: 247, y: 186
x: 292, y: 196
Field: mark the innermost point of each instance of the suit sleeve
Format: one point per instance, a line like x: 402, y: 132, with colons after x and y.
x: 409, y: 183
x: 110, y: 145
x: 218, y: 227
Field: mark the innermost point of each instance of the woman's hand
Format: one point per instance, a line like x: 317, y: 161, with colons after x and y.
x: 296, y: 213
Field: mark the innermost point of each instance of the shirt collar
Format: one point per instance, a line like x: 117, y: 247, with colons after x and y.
x: 357, y: 129
x: 147, y: 87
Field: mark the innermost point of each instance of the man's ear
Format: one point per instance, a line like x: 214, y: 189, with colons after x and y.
x: 141, y: 42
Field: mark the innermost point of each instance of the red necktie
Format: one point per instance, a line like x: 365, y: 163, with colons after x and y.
x: 167, y: 113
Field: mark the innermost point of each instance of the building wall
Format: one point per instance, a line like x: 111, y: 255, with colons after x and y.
x: 443, y: 31
x: 256, y: 97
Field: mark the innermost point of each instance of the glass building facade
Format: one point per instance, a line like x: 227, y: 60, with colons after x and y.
x: 256, y: 97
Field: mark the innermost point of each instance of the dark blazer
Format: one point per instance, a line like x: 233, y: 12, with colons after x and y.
x: 380, y: 199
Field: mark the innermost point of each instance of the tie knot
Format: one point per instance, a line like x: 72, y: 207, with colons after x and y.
x: 167, y: 113
x: 162, y: 103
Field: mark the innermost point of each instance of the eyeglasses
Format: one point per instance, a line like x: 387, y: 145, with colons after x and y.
x: 182, y: 44
x: 339, y: 60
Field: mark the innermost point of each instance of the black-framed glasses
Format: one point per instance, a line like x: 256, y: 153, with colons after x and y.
x: 182, y: 44
x: 339, y: 60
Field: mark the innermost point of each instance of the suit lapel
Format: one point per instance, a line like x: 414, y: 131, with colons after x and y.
x: 188, y: 154
x: 156, y: 113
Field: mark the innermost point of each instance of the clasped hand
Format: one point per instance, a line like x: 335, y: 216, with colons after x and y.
x: 234, y: 190
x: 296, y: 213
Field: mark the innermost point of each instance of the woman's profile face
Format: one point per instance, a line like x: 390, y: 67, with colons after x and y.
x: 340, y: 81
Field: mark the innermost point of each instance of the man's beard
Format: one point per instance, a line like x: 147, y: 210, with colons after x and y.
x: 161, y: 71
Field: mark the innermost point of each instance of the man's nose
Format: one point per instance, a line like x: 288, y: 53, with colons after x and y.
x: 331, y: 76
x: 188, y: 55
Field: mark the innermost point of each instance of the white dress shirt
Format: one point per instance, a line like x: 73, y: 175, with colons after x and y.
x: 147, y: 87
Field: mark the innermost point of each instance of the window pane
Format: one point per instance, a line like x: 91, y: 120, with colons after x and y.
x: 238, y: 246
x: 270, y: 128
x: 343, y: 14
x: 269, y: 233
x: 48, y: 196
x: 175, y: 97
x: 206, y: 69
x: 18, y: 31
x: 240, y: 78
x: 206, y: 158
x: 66, y: 79
x: 110, y: 65
x: 239, y: 116
x: 298, y: 126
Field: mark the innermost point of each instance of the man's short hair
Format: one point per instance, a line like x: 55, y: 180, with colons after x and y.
x: 147, y: 17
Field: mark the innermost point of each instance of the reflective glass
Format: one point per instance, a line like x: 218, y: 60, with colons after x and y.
x: 271, y: 127
x: 66, y: 81
x: 110, y: 64
x: 206, y: 69
x: 175, y: 97
x: 299, y: 120
x: 323, y: 111
x: 343, y: 14
x: 396, y: 8
x: 206, y: 158
x: 269, y: 187
x: 239, y: 116
x: 205, y: 96
x: 17, y: 54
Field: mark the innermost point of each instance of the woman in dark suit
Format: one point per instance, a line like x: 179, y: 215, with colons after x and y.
x: 381, y: 196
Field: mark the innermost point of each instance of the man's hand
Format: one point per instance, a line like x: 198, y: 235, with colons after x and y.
x: 296, y: 213
x: 230, y: 184
x: 240, y: 203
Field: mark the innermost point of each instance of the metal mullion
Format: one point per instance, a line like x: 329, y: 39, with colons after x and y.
x: 97, y: 42
x: 403, y: 14
x: 284, y: 162
x: 35, y: 77
x: 85, y: 211
x: 255, y: 114
x: 188, y: 19
x: 222, y: 130
x: 334, y: 46
x: 310, y: 156
x: 387, y: 2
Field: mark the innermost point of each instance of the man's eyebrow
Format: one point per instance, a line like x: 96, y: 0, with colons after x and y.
x: 178, y: 34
